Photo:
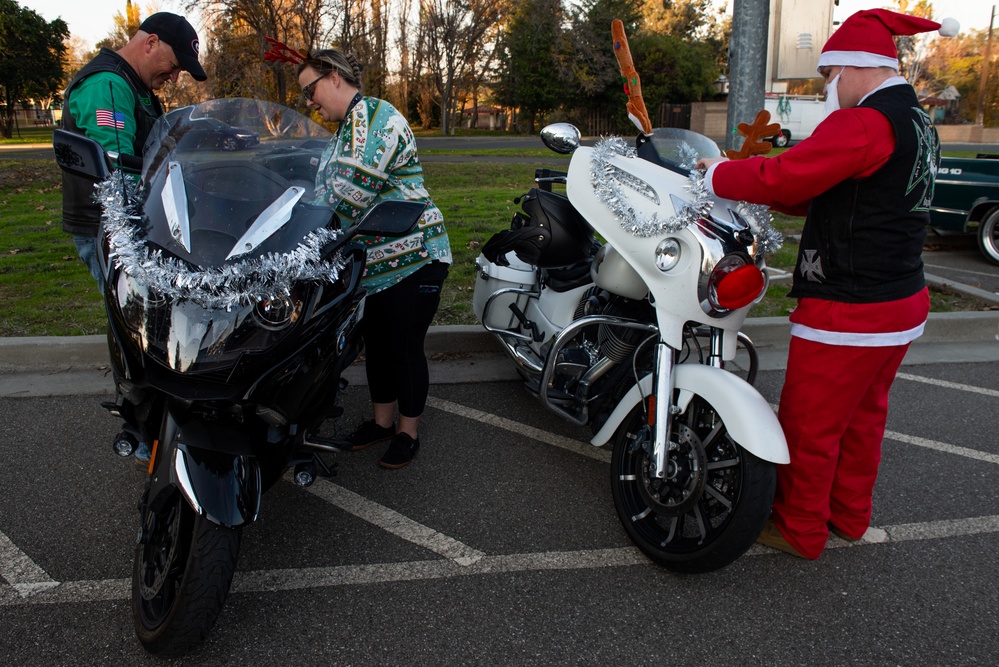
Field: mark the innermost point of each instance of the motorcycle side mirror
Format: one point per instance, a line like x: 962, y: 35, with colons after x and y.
x: 80, y: 155
x: 561, y: 137
x: 391, y: 217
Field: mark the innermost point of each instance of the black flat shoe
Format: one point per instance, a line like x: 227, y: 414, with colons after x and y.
x: 401, y: 451
x: 369, y: 433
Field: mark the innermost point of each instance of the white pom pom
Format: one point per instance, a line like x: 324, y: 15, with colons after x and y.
x: 949, y: 27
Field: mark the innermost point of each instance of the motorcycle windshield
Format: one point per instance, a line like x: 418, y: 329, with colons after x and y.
x: 682, y: 148
x: 231, y: 179
x: 219, y: 241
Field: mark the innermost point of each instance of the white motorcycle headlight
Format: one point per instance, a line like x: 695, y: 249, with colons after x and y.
x: 667, y: 254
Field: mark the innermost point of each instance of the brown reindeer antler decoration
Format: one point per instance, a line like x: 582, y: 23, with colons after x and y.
x: 632, y: 83
x: 281, y: 52
x: 761, y: 127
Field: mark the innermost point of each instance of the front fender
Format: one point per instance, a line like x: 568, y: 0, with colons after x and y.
x: 224, y: 488
x: 749, y: 418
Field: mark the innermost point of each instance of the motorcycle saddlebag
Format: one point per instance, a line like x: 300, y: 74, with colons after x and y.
x: 552, y: 234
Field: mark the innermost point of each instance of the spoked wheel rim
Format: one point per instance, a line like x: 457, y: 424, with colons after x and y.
x: 988, y: 236
x: 694, y: 505
x: 161, y: 560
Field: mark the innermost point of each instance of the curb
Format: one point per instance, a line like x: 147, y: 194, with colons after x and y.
x: 55, y: 353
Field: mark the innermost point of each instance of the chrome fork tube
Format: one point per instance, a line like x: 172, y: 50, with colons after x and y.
x: 716, y: 348
x: 662, y: 406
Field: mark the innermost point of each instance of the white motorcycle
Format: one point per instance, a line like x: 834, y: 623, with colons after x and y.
x: 629, y: 335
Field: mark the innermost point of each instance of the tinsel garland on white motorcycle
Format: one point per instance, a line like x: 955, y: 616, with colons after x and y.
x: 607, y: 180
x: 234, y: 285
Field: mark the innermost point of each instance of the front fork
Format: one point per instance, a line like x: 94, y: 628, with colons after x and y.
x: 661, y: 409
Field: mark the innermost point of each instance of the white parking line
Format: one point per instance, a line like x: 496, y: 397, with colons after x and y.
x: 967, y: 271
x: 261, y: 581
x: 949, y: 385
x: 936, y: 445
x: 22, y: 573
x: 575, y: 446
x: 392, y: 522
x: 943, y: 447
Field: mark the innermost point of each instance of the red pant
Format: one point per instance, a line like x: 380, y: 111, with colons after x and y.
x: 833, y: 410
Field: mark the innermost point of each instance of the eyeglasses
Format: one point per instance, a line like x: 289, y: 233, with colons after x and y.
x: 309, y: 89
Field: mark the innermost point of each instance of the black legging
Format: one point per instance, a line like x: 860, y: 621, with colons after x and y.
x: 394, y: 327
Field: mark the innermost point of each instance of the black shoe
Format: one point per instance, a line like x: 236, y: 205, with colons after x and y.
x: 369, y: 433
x: 400, y: 452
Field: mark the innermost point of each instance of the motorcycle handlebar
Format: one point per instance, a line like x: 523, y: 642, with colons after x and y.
x: 545, y: 177
x: 128, y: 163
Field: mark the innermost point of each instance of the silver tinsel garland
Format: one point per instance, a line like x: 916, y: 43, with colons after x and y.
x: 233, y: 285
x: 608, y: 186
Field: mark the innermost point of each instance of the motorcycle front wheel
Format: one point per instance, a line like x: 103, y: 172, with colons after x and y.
x: 713, y: 502
x: 181, y: 575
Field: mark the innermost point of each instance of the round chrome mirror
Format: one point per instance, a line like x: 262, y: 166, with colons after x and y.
x: 561, y: 137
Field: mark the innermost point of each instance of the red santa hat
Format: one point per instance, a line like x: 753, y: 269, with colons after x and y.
x: 866, y: 39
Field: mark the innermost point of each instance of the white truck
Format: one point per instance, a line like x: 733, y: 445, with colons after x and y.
x: 797, y: 115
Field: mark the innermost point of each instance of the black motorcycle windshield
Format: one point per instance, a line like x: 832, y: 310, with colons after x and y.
x: 231, y: 180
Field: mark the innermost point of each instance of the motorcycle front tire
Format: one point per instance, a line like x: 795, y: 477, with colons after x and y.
x: 180, y: 577
x: 711, y: 506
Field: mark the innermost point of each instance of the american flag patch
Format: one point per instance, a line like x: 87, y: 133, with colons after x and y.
x: 106, y: 118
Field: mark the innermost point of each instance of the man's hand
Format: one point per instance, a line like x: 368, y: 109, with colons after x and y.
x: 705, y: 162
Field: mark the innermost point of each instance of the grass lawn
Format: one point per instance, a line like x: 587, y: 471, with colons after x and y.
x: 46, y: 290
x: 30, y: 135
x: 44, y: 287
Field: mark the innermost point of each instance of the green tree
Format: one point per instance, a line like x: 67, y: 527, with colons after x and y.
x: 531, y: 74
x: 673, y: 70
x: 125, y: 25
x: 689, y: 20
x: 957, y: 61
x: 595, y: 73
x: 32, y: 51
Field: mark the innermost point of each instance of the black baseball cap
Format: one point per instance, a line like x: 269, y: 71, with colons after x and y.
x: 180, y: 35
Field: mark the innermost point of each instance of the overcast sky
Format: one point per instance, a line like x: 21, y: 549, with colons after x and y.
x: 91, y: 20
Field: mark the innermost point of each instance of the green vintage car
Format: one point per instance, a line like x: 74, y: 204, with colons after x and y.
x: 966, y: 199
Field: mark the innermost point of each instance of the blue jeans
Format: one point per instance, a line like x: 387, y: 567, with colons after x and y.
x: 86, y: 247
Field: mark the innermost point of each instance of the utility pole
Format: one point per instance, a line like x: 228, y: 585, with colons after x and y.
x: 746, y: 65
x: 980, y: 117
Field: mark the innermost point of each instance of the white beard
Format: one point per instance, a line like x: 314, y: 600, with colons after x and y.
x: 832, y: 94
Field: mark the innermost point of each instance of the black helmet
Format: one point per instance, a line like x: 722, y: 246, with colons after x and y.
x: 552, y: 234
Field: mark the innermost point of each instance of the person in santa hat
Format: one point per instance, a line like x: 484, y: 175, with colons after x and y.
x: 864, y: 180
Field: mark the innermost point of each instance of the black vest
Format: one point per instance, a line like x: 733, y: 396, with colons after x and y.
x: 863, y: 238
x: 80, y: 213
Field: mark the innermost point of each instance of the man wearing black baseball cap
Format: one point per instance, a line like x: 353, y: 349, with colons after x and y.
x: 178, y: 33
x: 111, y: 101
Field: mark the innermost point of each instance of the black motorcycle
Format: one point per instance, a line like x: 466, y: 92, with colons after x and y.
x: 233, y: 305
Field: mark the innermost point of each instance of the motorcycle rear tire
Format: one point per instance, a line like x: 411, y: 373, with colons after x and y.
x: 180, y: 577
x: 728, y: 497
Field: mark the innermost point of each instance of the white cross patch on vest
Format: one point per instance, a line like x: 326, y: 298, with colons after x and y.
x: 811, y: 266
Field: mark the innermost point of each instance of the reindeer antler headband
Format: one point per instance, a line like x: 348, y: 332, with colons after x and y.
x: 281, y: 52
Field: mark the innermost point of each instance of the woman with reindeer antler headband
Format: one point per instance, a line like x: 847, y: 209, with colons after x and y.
x: 373, y: 157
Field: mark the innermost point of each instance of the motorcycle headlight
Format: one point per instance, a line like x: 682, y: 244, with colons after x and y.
x: 734, y: 283
x: 135, y: 301
x: 667, y: 254
x: 279, y: 312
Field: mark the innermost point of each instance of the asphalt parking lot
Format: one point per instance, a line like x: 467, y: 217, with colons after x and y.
x: 500, y: 546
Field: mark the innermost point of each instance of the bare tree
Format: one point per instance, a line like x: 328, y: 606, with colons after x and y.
x: 299, y: 23
x: 404, y: 47
x: 455, y: 34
